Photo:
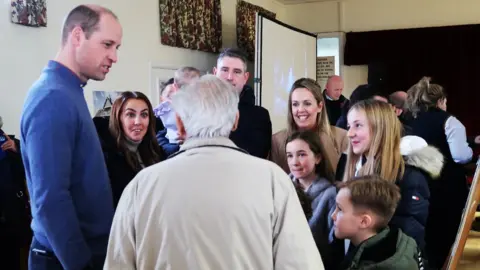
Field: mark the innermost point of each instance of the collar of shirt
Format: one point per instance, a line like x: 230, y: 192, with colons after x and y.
x: 199, y: 142
x: 162, y: 108
x: 65, y: 73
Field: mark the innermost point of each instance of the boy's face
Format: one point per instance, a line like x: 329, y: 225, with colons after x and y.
x: 167, y: 93
x: 347, y: 223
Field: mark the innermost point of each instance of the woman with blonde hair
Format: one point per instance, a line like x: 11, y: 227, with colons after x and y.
x: 375, y: 136
x: 427, y: 103
x: 306, y: 111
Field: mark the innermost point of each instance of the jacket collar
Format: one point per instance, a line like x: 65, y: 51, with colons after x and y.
x: 376, y: 250
x: 201, y: 142
x: 319, y: 185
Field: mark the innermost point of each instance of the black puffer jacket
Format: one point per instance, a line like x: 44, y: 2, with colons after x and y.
x: 422, y: 166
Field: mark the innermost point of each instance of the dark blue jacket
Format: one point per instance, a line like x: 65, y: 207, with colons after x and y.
x: 168, y: 147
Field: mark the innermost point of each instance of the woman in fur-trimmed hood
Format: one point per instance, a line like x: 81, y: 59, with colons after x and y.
x: 376, y: 148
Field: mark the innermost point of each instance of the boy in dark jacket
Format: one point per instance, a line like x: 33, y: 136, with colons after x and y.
x: 364, y: 209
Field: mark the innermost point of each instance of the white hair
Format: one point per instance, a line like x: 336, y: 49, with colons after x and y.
x: 1, y: 122
x: 208, y: 107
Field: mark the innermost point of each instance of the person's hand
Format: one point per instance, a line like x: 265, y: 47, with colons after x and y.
x: 9, y: 145
x: 477, y: 139
x: 180, y: 138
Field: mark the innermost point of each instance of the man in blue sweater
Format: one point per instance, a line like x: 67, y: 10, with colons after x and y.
x: 72, y: 205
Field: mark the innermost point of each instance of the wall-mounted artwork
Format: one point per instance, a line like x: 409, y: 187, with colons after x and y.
x: 29, y: 12
x: 103, y: 101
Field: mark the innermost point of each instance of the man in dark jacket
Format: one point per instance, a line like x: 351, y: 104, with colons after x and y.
x: 15, y: 233
x: 334, y: 100
x: 254, y: 132
x: 398, y: 100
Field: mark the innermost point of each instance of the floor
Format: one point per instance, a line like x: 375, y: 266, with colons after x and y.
x: 471, y: 254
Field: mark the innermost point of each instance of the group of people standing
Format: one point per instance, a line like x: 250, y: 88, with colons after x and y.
x: 213, y: 188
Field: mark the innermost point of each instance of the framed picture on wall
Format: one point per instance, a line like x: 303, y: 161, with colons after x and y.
x: 103, y: 101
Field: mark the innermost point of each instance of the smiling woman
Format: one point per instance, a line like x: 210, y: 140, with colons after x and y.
x: 306, y: 111
x: 128, y: 139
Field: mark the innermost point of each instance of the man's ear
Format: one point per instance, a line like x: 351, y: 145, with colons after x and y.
x: 180, y: 127
x: 398, y: 111
x: 76, y: 35
x: 215, y: 70
x: 247, y: 75
x: 235, y: 125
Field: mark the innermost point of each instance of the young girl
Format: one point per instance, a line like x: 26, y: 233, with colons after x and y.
x: 313, y: 175
x: 374, y: 132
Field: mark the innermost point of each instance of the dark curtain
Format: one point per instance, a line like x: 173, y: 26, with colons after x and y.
x: 450, y: 55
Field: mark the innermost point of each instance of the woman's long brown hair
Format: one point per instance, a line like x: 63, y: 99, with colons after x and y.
x: 149, y: 150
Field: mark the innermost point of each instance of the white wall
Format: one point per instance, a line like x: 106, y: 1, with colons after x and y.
x: 314, y: 17
x: 368, y: 15
x: 24, y: 51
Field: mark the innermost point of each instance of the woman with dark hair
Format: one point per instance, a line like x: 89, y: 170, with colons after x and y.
x: 128, y: 139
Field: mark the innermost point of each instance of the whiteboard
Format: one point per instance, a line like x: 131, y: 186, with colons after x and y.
x: 283, y: 54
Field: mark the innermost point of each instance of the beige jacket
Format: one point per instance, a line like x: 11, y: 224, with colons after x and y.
x: 279, y: 156
x: 211, y: 207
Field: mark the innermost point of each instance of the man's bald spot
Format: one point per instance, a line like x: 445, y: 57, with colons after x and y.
x: 400, y: 94
x: 333, y: 79
x: 86, y: 17
x: 398, y: 99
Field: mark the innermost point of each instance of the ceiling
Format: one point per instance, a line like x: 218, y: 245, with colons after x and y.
x: 292, y: 2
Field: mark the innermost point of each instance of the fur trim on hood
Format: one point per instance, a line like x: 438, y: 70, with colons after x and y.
x: 428, y: 159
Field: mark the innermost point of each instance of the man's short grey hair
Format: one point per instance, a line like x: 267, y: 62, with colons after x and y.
x: 208, y: 107
x: 1, y: 122
x: 185, y: 75
x: 233, y: 53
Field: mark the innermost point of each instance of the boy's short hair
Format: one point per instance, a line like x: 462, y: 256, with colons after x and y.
x: 375, y: 194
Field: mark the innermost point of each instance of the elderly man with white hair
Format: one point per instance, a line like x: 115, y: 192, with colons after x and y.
x: 211, y: 205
